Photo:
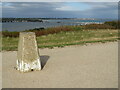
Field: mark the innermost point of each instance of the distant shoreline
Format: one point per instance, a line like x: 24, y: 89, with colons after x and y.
x: 24, y: 25
x: 42, y: 19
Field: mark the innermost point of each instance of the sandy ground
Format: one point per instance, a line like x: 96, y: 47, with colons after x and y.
x: 91, y: 66
x: 0, y: 71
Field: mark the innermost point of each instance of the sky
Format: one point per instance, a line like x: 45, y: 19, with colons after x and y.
x: 60, y: 9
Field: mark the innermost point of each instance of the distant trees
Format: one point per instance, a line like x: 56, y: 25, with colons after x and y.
x: 105, y: 25
x: 115, y: 24
x: 21, y: 20
x: 98, y: 26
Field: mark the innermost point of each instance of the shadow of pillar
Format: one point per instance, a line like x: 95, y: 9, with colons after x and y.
x: 44, y: 60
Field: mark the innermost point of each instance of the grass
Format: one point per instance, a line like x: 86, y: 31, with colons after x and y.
x: 62, y: 39
x: 58, y: 29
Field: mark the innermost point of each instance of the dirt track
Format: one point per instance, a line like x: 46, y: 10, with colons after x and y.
x: 91, y: 66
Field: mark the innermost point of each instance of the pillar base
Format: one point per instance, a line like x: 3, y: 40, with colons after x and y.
x: 26, y: 67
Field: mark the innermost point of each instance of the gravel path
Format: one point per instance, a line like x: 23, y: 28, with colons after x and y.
x: 91, y: 66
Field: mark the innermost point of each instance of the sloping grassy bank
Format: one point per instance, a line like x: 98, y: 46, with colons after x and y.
x: 53, y: 30
x: 62, y: 38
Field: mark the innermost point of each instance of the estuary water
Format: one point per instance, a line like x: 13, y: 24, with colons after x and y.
x: 20, y: 26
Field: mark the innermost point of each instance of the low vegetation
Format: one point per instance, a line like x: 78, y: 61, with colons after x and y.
x: 115, y: 24
x: 65, y: 35
x: 66, y: 38
x: 43, y: 31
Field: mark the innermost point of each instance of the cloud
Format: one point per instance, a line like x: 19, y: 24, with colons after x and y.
x: 61, y: 9
x: 103, y: 10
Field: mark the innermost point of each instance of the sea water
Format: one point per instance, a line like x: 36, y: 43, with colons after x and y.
x: 20, y: 26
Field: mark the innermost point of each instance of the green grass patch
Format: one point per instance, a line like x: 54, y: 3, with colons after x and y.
x: 61, y: 39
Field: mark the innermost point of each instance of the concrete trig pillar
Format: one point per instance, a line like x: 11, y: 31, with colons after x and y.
x: 28, y: 54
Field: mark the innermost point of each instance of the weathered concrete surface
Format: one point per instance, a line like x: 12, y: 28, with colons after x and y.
x: 92, y: 66
x: 28, y: 56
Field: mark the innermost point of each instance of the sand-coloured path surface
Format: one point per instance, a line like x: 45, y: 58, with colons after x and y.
x: 91, y: 66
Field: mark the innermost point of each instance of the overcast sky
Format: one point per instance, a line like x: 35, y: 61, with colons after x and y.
x: 61, y: 9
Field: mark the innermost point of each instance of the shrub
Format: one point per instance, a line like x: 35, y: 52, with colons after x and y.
x: 98, y: 26
x: 53, y: 30
x: 10, y: 34
x: 115, y: 24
